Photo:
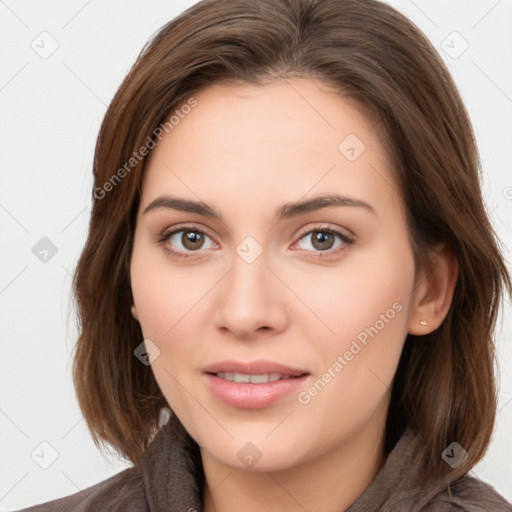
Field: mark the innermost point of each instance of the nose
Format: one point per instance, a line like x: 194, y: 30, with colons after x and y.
x: 250, y: 300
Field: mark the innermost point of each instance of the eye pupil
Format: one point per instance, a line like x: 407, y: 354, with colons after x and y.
x: 192, y: 239
x: 322, y: 240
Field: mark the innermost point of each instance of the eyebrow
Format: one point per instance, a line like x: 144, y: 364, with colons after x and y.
x: 285, y: 211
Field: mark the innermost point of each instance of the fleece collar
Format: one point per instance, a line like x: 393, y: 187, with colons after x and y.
x: 174, y: 482
x: 169, y: 473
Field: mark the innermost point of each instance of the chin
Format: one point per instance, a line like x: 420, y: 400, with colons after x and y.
x: 258, y: 456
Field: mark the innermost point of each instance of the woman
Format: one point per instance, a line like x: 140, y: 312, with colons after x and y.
x: 289, y: 251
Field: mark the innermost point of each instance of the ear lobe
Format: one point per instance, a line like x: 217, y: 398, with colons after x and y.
x: 435, y: 293
x: 134, y: 312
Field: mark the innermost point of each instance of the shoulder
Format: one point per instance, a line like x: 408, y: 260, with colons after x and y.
x: 465, y: 494
x: 121, y: 492
x: 470, y: 494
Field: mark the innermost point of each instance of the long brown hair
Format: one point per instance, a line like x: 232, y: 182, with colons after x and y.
x: 445, y: 383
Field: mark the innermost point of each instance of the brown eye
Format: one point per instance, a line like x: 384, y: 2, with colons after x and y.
x: 192, y: 240
x: 322, y: 240
x: 185, y: 241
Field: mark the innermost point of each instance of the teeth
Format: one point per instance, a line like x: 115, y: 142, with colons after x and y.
x: 244, y: 378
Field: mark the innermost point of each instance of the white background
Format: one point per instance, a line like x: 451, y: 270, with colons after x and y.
x: 51, y: 111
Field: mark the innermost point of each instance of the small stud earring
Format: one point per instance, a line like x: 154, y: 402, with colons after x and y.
x: 423, y: 322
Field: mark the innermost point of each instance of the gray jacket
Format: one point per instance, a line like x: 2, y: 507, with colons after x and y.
x: 170, y: 479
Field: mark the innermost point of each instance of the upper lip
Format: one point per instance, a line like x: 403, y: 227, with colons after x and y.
x: 258, y: 367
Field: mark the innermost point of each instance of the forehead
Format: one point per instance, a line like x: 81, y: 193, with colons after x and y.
x: 255, y: 143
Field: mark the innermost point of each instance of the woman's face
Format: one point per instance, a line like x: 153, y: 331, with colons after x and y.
x: 268, y: 280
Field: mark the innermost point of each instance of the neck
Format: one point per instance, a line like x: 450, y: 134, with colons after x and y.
x: 330, y: 482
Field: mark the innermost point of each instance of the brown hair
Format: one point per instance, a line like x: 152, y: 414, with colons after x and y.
x: 445, y: 384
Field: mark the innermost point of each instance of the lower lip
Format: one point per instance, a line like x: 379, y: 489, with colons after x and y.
x: 252, y: 396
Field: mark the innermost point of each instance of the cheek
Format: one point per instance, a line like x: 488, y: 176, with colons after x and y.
x: 165, y: 301
x: 367, y: 310
x: 164, y: 295
x: 373, y: 289
x: 168, y: 301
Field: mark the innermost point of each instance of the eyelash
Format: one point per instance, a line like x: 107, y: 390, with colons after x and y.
x: 347, y: 241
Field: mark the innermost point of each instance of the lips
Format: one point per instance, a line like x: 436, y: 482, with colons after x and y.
x: 252, y: 385
x: 259, y: 367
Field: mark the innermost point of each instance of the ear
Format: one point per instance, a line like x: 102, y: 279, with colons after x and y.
x: 434, y: 293
x: 134, y: 312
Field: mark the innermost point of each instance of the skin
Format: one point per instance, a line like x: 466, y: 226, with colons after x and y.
x: 244, y: 151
